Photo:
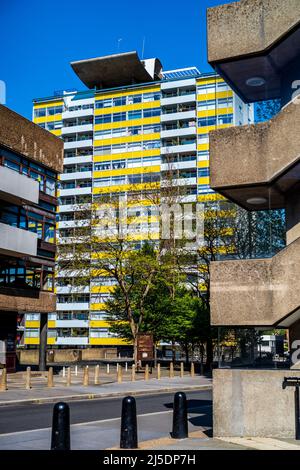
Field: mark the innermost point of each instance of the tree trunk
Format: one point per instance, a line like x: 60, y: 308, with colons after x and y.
x: 43, y: 341
x: 135, y: 350
x: 186, y: 353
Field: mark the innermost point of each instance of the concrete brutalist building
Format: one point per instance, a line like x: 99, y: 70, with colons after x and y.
x: 30, y: 160
x: 255, y: 46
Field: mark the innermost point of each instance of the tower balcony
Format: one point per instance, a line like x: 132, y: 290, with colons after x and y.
x: 257, y: 292
x: 250, y: 44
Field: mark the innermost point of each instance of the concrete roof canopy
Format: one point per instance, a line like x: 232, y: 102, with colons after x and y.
x: 115, y: 70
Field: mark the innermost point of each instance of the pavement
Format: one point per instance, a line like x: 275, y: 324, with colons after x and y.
x: 39, y: 393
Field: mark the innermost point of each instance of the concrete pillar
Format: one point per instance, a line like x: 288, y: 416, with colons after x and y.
x: 43, y: 341
x: 107, y: 368
x: 69, y: 378
x: 158, y: 371
x: 50, y: 377
x: 86, y: 376
x: 97, y: 374
x: 192, y: 369
x: 28, y: 378
x: 181, y: 370
x: 171, y: 371
x: 133, y: 372
x: 119, y: 374
x: 3, y: 382
x: 146, y: 372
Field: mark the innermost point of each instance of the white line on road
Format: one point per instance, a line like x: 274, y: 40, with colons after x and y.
x: 101, y: 421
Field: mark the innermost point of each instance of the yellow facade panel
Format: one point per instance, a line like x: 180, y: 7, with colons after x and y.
x: 108, y: 341
x: 128, y: 107
x: 127, y: 155
x: 126, y: 171
x: 129, y: 138
x: 48, y: 104
x: 127, y: 92
x: 131, y: 123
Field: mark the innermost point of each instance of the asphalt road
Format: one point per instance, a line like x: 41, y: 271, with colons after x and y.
x: 28, y: 417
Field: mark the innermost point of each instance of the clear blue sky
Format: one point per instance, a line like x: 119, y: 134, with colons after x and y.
x: 39, y: 38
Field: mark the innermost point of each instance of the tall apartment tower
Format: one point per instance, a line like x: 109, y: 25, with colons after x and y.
x: 119, y: 135
x: 254, y: 45
x: 30, y: 160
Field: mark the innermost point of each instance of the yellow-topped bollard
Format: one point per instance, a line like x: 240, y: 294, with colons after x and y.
x: 3, y: 382
x: 50, y: 377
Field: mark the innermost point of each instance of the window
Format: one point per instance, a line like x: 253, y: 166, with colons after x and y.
x: 52, y: 110
x: 104, y: 134
x: 203, y: 172
x: 102, y: 166
x: 105, y: 149
x: 207, y: 88
x: 121, y: 101
x: 119, y: 117
x: 206, y: 105
x: 225, y: 119
x: 100, y: 182
x: 207, y: 121
x: 151, y: 112
x: 134, y: 99
x: 134, y: 115
x: 107, y: 103
x: 225, y: 102
x: 103, y: 119
x: 40, y: 112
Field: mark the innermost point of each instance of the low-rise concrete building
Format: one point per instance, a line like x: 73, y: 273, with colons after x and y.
x: 30, y: 159
x: 254, y: 45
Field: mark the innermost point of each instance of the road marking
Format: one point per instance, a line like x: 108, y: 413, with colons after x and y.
x: 101, y: 421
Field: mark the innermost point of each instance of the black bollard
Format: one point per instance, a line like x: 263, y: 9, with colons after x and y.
x: 129, y: 439
x: 180, y: 420
x: 60, y: 439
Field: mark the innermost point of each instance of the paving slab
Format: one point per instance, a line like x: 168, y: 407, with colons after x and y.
x: 79, y: 392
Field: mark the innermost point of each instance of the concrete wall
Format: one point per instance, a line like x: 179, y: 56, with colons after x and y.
x: 18, y: 186
x: 29, y: 139
x: 61, y: 356
x: 21, y: 300
x: 258, y: 153
x: 253, y: 403
x: 256, y: 292
x: 15, y: 241
x: 248, y: 26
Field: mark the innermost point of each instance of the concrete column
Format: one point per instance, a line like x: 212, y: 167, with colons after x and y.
x: 69, y: 378
x: 97, y: 374
x: 181, y: 370
x: 192, y: 369
x: 119, y: 374
x: 50, y: 377
x: 86, y: 376
x: 171, y: 371
x: 147, y: 372
x: 28, y: 378
x: 3, y: 382
x: 43, y: 341
x: 158, y: 371
x: 133, y: 373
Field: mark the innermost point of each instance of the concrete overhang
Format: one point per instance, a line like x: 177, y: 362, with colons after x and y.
x: 257, y: 292
x: 26, y: 138
x: 22, y: 300
x: 17, y: 188
x: 254, y: 38
x: 265, y: 158
x: 116, y: 70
